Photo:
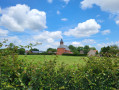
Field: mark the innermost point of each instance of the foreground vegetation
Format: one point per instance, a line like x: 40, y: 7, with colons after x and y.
x: 41, y: 73
x: 96, y: 74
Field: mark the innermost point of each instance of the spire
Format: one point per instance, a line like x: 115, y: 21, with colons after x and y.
x: 61, y: 42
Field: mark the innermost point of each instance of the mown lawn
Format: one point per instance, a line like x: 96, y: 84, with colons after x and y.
x: 69, y: 60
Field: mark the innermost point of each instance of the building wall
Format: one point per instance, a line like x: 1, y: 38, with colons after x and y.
x: 60, y: 51
x: 81, y: 52
x: 67, y: 51
x: 91, y: 53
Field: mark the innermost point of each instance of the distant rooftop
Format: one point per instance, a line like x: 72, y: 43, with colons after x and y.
x: 63, y: 46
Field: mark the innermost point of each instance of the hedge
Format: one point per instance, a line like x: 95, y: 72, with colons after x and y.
x: 66, y: 54
x: 98, y: 73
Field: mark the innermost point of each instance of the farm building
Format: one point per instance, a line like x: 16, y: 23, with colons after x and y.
x: 92, y: 52
x: 81, y: 52
x: 37, y: 51
x: 63, y: 49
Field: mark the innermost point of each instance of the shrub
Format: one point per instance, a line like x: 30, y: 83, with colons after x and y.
x: 66, y: 54
x: 99, y: 73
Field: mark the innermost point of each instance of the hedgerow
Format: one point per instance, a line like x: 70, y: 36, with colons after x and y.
x: 99, y: 73
x: 66, y: 54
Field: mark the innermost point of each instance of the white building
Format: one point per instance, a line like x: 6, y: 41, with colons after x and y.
x: 92, y: 52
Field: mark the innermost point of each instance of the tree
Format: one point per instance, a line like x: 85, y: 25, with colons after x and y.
x: 11, y: 46
x: 86, y: 49
x: 92, y: 48
x: 72, y: 48
x: 21, y: 51
x: 114, y: 49
x: 105, y: 49
x: 34, y: 49
x: 51, y: 50
x: 80, y: 48
x: 110, y: 50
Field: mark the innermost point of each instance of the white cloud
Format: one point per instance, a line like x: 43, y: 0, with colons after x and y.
x: 66, y: 1
x: 107, y: 39
x: 83, y: 42
x: 0, y: 10
x: 84, y: 29
x: 48, y: 41
x: 50, y: 1
x: 105, y: 32
x: 58, y: 12
x: 45, y: 43
x: 97, y: 15
x: 3, y: 32
x: 64, y: 19
x: 100, y: 21
x: 14, y: 39
x: 11, y: 39
x: 48, y: 37
x: 77, y: 44
x: 111, y: 6
x: 98, y: 46
x: 88, y: 41
x: 45, y: 46
x: 117, y: 22
x: 105, y: 5
x: 52, y: 45
x: 108, y: 44
x: 20, y: 17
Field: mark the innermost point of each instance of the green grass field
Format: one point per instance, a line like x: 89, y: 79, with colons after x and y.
x: 69, y: 60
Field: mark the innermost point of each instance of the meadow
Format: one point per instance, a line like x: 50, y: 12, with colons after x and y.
x: 68, y: 60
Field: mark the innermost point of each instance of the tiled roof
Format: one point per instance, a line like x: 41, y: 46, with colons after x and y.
x: 63, y: 46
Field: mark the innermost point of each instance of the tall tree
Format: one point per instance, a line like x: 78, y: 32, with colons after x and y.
x: 92, y: 48
x: 80, y: 48
x: 114, y: 49
x: 86, y: 49
x: 105, y: 49
x: 11, y: 45
x: 51, y: 50
x: 72, y: 48
x: 34, y: 49
x: 21, y: 51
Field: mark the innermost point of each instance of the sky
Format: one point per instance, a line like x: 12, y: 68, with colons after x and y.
x: 77, y: 22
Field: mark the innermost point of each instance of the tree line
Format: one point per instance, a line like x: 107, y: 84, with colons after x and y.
x: 109, y: 51
x: 75, y: 50
x: 112, y: 50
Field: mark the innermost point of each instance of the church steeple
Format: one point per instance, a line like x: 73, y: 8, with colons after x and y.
x: 61, y: 42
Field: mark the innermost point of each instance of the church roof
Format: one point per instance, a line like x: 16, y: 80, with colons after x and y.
x: 63, y: 46
x: 61, y: 40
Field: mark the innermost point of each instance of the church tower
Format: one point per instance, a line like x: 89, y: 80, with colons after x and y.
x: 61, y: 42
x: 63, y: 49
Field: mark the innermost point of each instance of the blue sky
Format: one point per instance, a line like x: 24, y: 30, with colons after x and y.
x: 78, y: 22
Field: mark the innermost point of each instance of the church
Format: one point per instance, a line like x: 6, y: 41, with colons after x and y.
x: 63, y: 49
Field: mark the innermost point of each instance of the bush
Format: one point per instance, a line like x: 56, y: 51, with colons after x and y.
x: 99, y: 73
x: 66, y: 54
